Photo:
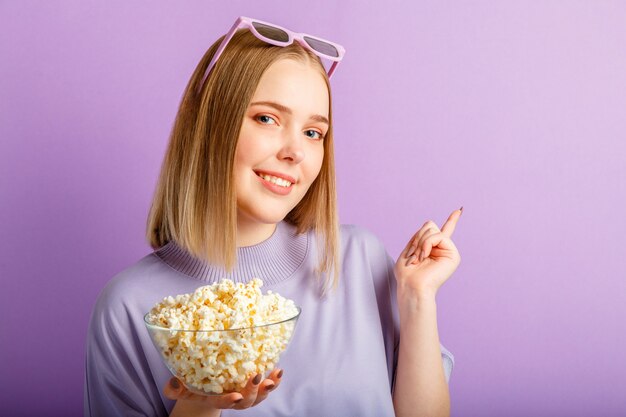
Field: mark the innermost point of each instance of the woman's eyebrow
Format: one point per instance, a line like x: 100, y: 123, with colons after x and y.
x: 285, y: 109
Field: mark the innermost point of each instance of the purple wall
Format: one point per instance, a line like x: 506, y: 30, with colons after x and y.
x: 516, y: 111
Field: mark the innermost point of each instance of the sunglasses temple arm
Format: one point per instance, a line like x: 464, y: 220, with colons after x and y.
x: 332, y: 69
x: 219, y: 51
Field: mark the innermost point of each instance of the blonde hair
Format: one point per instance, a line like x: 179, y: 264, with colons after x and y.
x: 195, y: 200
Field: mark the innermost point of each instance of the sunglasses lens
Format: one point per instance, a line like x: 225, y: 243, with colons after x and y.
x: 271, y: 32
x: 322, y: 47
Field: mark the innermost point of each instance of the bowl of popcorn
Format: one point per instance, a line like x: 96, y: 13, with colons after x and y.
x: 219, y: 336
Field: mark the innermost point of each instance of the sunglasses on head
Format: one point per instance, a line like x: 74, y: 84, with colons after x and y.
x: 279, y: 36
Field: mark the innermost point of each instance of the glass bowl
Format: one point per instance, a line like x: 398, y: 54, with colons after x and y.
x: 215, y: 362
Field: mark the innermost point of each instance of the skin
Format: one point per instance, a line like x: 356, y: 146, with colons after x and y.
x: 285, y: 141
x: 277, y: 141
x: 430, y: 257
x: 428, y: 260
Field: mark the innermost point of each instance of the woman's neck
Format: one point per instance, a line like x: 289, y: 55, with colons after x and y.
x: 273, y: 260
x: 249, y: 234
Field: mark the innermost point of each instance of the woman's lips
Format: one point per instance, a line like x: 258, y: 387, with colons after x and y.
x: 277, y: 175
x: 275, y: 188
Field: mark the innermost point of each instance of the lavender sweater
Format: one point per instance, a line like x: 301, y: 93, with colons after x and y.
x: 341, y: 360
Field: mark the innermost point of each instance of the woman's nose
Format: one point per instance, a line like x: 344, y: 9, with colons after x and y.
x: 292, y: 148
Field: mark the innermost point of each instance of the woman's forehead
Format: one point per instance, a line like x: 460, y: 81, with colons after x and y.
x: 296, y: 85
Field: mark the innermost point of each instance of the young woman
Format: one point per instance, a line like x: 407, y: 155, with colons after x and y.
x: 247, y: 189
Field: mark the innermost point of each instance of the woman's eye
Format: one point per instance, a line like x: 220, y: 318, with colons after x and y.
x: 315, y: 132
x: 263, y: 118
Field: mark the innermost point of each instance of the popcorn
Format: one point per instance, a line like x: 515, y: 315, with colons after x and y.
x: 213, y: 361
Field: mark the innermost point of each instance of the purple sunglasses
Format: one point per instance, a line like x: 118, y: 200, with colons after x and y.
x: 280, y: 36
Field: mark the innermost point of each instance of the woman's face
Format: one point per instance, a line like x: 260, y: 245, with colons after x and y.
x: 280, y: 149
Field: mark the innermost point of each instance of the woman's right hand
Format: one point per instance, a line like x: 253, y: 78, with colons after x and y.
x: 191, y: 404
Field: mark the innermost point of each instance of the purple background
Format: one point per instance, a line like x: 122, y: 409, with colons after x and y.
x: 515, y: 110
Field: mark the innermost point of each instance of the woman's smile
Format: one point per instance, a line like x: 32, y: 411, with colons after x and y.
x: 276, y: 185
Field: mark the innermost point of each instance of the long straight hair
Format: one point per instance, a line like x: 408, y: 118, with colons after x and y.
x: 195, y: 201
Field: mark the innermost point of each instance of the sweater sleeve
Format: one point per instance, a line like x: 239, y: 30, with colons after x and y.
x: 117, y: 380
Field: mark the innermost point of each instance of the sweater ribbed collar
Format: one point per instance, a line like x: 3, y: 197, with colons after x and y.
x: 273, y: 260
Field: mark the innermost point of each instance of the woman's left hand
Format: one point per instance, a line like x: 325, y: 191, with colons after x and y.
x: 429, y: 258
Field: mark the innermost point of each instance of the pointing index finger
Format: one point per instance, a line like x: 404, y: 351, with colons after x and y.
x: 448, y: 228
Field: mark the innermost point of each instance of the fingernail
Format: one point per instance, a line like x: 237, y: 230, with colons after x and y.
x: 270, y: 387
x: 461, y: 209
x: 238, y: 401
x: 175, y: 383
x: 422, y: 256
x: 411, y: 259
x: 280, y: 374
x: 411, y: 251
x: 257, y: 379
